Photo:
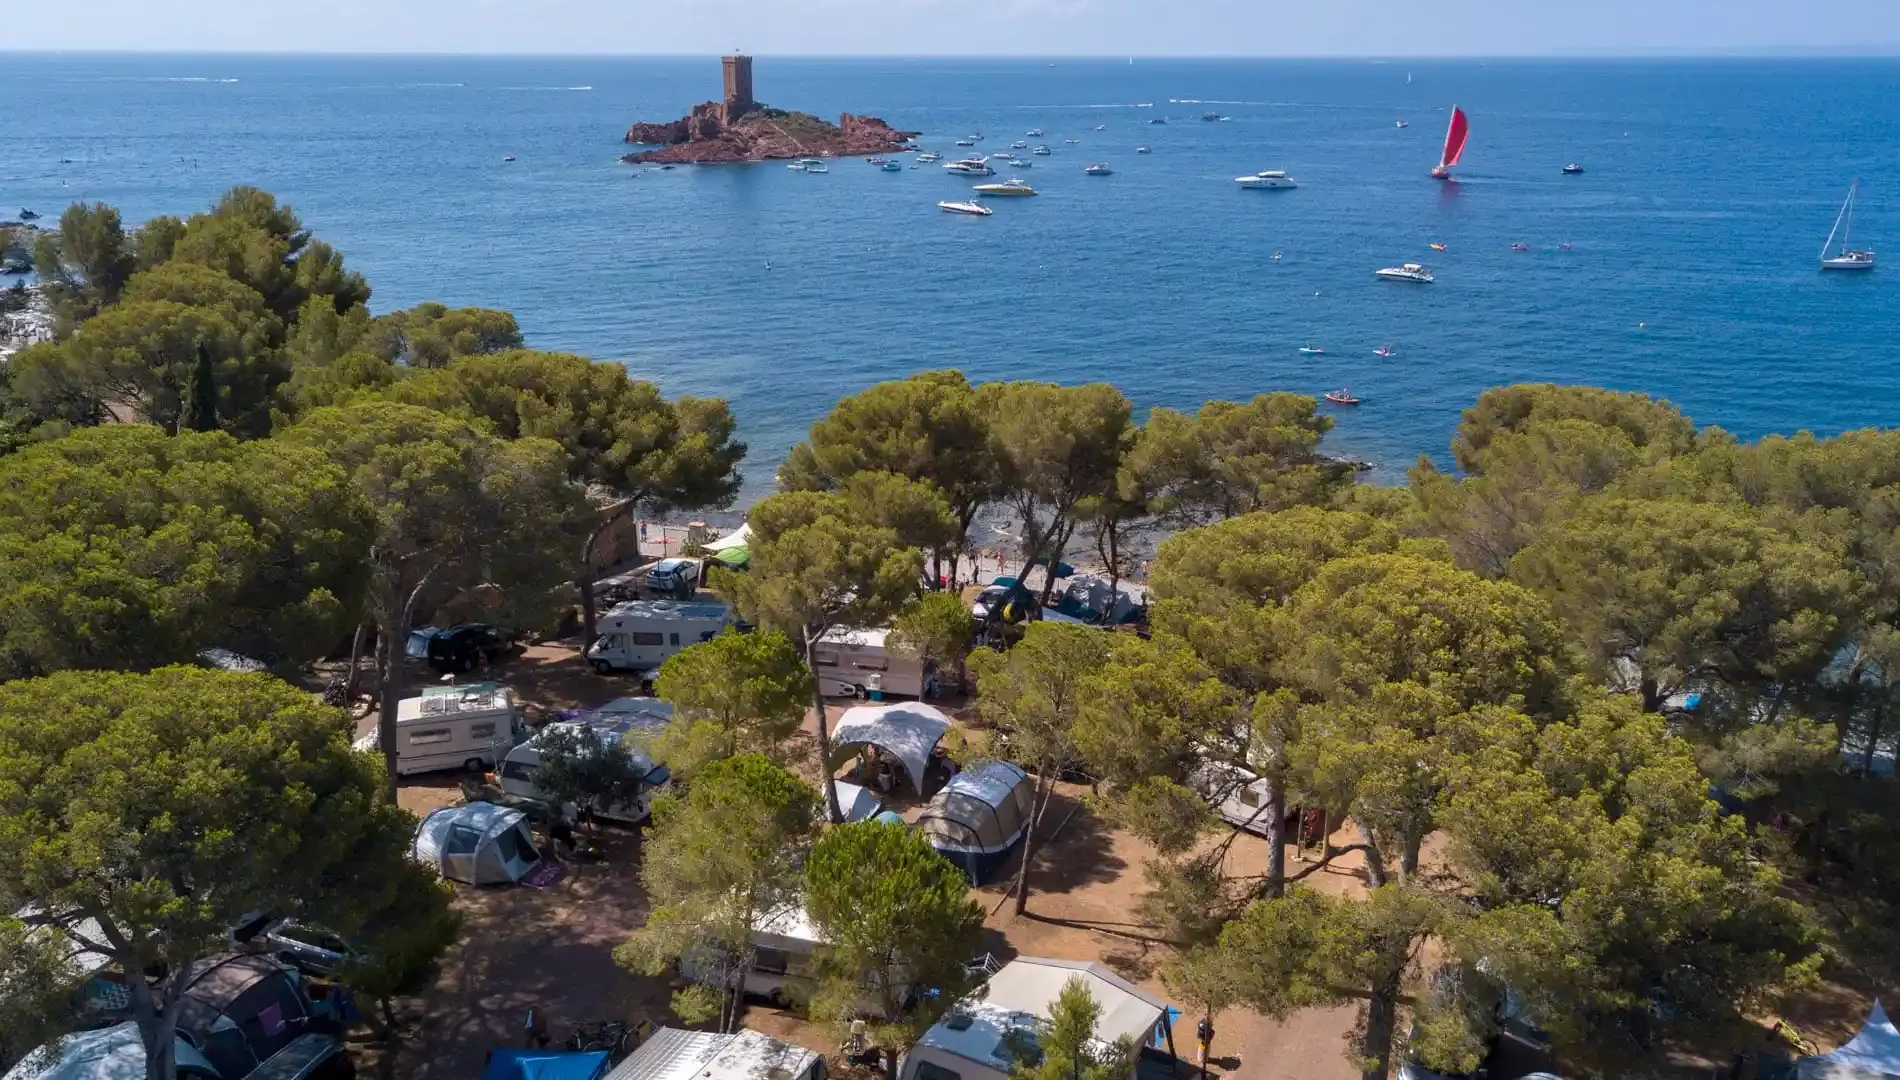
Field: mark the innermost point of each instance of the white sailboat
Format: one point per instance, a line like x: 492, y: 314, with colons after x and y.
x: 1850, y: 257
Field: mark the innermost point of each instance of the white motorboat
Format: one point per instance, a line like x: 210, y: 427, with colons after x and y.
x: 1019, y: 145
x: 1407, y: 272
x: 1273, y: 178
x: 1850, y: 257
x: 1034, y: 133
x: 1012, y: 186
x: 930, y: 155
x: 1040, y: 151
x: 892, y: 166
x: 1143, y: 150
x: 1101, y: 127
x: 1099, y: 170
x: 1402, y: 123
x: 970, y: 207
x: 807, y: 165
x: 1020, y: 163
x: 966, y: 142
x: 970, y: 167
x: 1073, y: 142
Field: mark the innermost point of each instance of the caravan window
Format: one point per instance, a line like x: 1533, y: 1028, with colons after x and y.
x: 517, y: 770
x: 927, y: 1070
x: 432, y: 735
x: 772, y: 961
x: 823, y: 658
x: 1249, y: 797
x: 675, y: 639
x: 482, y: 731
x: 871, y: 663
x: 708, y: 635
x: 648, y: 639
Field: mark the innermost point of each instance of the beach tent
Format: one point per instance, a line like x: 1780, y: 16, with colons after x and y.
x: 908, y: 730
x: 737, y: 538
x: 1874, y: 1054
x: 979, y: 817
x: 509, y: 1063
x: 480, y: 843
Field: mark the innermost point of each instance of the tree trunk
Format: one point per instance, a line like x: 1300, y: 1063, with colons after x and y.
x: 1375, y: 860
x: 586, y: 581
x: 832, y: 813
x: 1873, y: 737
x: 157, y: 1026
x: 1652, y: 695
x: 1276, y: 838
x: 1381, y: 1016
x: 1408, y: 858
x: 388, y: 702
x: 1044, y: 787
x: 356, y: 659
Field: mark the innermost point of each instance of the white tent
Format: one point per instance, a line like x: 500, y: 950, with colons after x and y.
x: 738, y: 537
x: 480, y: 843
x: 909, y: 730
x: 857, y: 803
x: 1874, y: 1054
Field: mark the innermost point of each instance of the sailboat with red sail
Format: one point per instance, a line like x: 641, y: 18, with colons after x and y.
x: 1455, y: 137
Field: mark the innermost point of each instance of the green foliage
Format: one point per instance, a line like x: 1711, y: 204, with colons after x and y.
x: 88, y: 256
x: 121, y: 547
x: 399, y: 949
x: 1232, y: 459
x: 579, y: 767
x: 910, y: 508
x: 937, y: 625
x: 430, y: 335
x: 166, y: 806
x: 895, y: 916
x: 1170, y: 815
x: 717, y: 862
x: 37, y: 995
x: 1069, y: 1049
x: 1057, y: 446
x: 1656, y: 429
x: 735, y: 694
x: 1151, y: 712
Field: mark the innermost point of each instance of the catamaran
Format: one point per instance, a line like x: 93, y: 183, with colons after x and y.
x: 1850, y: 258
x: 1455, y: 137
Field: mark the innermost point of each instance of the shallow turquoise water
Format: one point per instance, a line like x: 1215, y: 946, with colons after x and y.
x: 1694, y: 232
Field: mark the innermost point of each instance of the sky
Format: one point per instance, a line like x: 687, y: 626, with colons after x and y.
x: 961, y: 27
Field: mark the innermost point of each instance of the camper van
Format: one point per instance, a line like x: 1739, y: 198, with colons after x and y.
x: 852, y: 663
x: 470, y: 726
x: 784, y: 959
x: 613, y: 722
x: 1237, y: 795
x: 640, y: 635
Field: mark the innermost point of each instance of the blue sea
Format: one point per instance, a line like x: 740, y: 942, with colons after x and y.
x: 1710, y: 186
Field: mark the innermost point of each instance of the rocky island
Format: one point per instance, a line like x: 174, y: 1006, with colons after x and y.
x: 740, y: 129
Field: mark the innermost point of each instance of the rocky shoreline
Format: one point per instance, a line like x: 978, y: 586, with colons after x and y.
x: 706, y: 137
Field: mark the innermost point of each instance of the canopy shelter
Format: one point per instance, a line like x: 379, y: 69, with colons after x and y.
x: 510, y: 1063
x: 979, y: 817
x: 908, y: 731
x: 737, y: 538
x: 1873, y: 1054
x: 481, y: 843
x: 733, y: 558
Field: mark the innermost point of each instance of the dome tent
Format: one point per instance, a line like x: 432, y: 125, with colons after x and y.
x: 480, y: 843
x: 979, y: 817
x: 909, y: 730
x: 1873, y: 1054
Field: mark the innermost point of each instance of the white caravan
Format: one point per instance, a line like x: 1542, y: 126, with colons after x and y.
x: 619, y: 720
x: 470, y: 726
x: 1237, y: 795
x: 852, y: 663
x: 640, y: 635
x: 784, y: 959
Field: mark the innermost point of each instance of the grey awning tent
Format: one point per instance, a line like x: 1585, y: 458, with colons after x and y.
x: 481, y: 843
x: 979, y: 816
x: 1873, y: 1054
x: 909, y: 731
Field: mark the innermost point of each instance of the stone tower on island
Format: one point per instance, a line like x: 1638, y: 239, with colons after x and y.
x: 738, y: 99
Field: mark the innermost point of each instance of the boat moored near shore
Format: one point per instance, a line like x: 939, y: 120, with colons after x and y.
x: 1412, y: 272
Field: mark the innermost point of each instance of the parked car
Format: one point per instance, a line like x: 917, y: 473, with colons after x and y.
x: 678, y: 578
x: 458, y: 648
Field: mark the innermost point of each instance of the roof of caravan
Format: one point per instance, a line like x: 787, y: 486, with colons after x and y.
x: 481, y: 697
x: 673, y: 1054
x: 1021, y: 995
x: 669, y: 609
x: 869, y: 639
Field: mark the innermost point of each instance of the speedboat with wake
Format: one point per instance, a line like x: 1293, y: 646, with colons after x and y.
x: 969, y: 207
x: 1341, y: 396
x: 1272, y: 178
x: 1407, y: 272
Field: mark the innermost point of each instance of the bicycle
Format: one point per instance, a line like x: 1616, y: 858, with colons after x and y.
x: 609, y: 1035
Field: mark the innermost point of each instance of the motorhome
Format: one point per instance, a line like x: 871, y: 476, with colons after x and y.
x: 470, y: 726
x: 624, y: 720
x: 640, y: 635
x: 855, y: 663
x: 1237, y: 795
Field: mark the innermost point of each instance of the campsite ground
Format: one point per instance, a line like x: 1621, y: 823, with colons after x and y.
x: 552, y: 948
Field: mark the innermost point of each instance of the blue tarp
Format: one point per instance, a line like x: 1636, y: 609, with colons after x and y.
x: 512, y: 1064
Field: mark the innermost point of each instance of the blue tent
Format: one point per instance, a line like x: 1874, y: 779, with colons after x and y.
x: 509, y: 1063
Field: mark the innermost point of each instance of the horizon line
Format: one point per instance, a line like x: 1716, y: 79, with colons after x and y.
x: 1885, y: 50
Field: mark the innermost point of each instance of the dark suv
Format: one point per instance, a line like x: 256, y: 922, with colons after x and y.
x: 457, y: 648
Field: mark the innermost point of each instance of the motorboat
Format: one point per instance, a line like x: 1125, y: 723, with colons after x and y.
x: 1212, y: 116
x: 1019, y: 145
x: 875, y: 160
x: 817, y: 167
x: 1572, y: 169
x: 1273, y: 178
x: 1099, y: 170
x: 969, y: 207
x: 930, y: 155
x: 892, y: 166
x: 1277, y: 256
x: 977, y: 135
x: 1384, y: 351
x: 1850, y: 257
x: 1101, y: 127
x: 1341, y: 396
x: 1035, y: 133
x: 1407, y: 272
x: 966, y: 142
x: 1455, y: 136
x: 1158, y: 120
x: 1020, y: 163
x: 508, y: 157
x: 1143, y: 150
x: 1040, y: 151
x: 1073, y: 142
x: 1012, y: 186
x: 1312, y: 350
x: 1520, y: 247
x: 28, y: 215
x: 970, y: 167
x: 1437, y: 247
x: 1402, y: 123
